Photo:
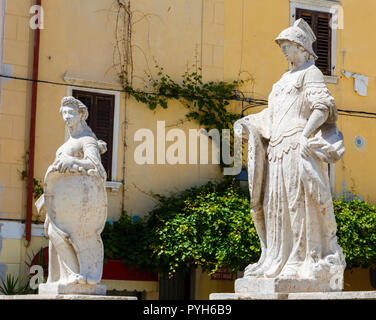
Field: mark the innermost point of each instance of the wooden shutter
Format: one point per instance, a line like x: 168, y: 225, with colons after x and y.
x: 320, y: 24
x: 100, y: 120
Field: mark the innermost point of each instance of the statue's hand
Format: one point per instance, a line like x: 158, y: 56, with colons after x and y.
x: 305, y: 150
x: 65, y: 164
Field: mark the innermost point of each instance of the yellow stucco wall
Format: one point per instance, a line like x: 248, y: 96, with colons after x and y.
x: 68, y: 46
x: 15, y: 102
x: 77, y: 43
x: 250, y: 51
x: 228, y: 39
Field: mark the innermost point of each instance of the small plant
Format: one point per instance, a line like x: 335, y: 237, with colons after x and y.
x: 37, y: 185
x: 41, y: 259
x: 11, y: 286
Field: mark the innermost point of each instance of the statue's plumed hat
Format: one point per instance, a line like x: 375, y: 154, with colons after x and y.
x: 300, y: 33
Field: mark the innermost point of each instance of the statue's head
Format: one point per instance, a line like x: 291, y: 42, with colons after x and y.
x: 293, y: 51
x: 73, y: 111
x: 297, y: 39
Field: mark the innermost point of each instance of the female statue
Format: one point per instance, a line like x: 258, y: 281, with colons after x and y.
x: 291, y: 144
x: 75, y: 200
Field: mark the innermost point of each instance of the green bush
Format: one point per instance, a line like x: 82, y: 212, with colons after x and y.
x: 210, y: 226
x: 356, y: 232
x: 129, y: 241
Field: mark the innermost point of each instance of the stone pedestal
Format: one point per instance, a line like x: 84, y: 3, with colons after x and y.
x: 344, y: 295
x: 280, y: 285
x: 77, y: 289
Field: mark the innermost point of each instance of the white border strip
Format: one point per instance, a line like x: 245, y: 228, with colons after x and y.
x: 16, y: 230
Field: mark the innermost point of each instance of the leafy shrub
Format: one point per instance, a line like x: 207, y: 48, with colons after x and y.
x: 356, y: 231
x: 211, y: 226
x: 129, y: 241
x: 208, y: 226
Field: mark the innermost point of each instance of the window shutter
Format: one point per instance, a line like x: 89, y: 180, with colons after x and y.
x: 320, y: 24
x: 100, y: 120
x: 104, y: 119
x: 323, y: 42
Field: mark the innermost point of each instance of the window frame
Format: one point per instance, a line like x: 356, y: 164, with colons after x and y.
x: 326, y: 7
x: 115, y: 134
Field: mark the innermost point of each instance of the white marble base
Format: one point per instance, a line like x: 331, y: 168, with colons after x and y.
x: 343, y: 295
x: 279, y: 285
x: 76, y: 289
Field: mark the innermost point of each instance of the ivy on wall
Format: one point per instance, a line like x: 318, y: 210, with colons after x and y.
x: 205, y: 102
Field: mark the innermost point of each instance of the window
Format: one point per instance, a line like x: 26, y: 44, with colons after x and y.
x: 101, y: 121
x: 325, y: 18
x: 320, y: 24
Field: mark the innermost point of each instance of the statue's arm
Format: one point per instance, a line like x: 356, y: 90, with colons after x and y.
x: 315, y: 121
x: 321, y: 105
x: 90, y: 160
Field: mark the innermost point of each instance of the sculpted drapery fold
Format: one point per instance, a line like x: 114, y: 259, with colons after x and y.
x: 290, y: 146
x: 75, y: 201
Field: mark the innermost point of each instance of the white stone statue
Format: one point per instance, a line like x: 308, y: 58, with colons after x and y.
x: 75, y: 201
x: 290, y: 146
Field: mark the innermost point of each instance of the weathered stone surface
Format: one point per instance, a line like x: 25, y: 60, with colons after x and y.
x: 56, y: 288
x: 290, y: 144
x: 345, y: 295
x: 276, y: 285
x: 75, y: 204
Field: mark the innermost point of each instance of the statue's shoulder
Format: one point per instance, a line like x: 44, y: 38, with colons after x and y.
x: 314, y: 74
x: 88, y: 139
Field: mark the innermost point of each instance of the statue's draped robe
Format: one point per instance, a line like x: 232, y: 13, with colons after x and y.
x: 294, y: 192
x: 76, y: 211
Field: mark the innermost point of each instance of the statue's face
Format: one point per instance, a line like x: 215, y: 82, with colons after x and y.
x: 291, y: 51
x: 71, y: 116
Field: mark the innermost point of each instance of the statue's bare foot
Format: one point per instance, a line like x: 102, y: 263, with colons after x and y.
x: 288, y: 272
x: 250, y: 268
x: 254, y: 266
x: 81, y: 279
x: 73, y: 279
x: 254, y: 273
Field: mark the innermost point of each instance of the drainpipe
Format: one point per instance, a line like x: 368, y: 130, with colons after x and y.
x: 30, y: 176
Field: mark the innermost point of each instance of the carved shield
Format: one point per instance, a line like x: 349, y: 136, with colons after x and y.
x: 76, y: 204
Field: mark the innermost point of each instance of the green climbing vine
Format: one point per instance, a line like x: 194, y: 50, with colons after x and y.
x: 37, y: 184
x: 206, y: 102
